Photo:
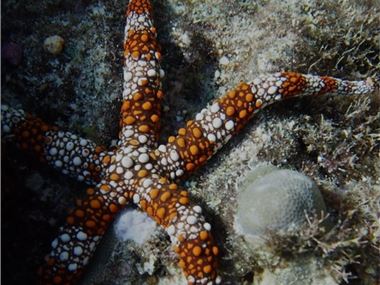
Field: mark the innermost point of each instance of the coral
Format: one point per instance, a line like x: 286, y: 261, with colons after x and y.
x: 134, y: 225
x: 277, y: 200
x: 301, y: 271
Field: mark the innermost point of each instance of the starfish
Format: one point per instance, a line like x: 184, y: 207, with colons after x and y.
x: 140, y: 171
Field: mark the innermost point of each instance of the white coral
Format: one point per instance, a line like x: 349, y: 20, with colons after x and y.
x: 276, y: 200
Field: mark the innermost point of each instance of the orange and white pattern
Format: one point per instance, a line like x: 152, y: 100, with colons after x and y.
x: 140, y: 171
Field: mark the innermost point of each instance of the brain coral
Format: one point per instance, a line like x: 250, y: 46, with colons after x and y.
x: 275, y: 199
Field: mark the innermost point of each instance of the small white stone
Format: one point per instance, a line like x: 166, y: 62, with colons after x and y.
x: 272, y: 90
x: 58, y: 163
x: 119, y: 156
x: 162, y: 73
x: 127, y: 150
x: 127, y: 162
x: 147, y: 182
x: 83, y: 142
x: 164, y: 161
x: 143, y: 158
x: 119, y: 170
x: 128, y: 175
x: 53, y: 151
x: 197, y: 209
x: 122, y: 200
x: 191, y: 220
x: 174, y: 155
x: 128, y: 133
x: 112, y: 167
x: 229, y: 125
x: 142, y: 149
x: 179, y: 172
x: 261, y: 92
x: 65, y: 237
x: 126, y: 92
x: 211, y: 137
x: 215, y: 108
x: 136, y: 198
x: 78, y: 250
x: 142, y: 63
x: 207, y: 226
x: 151, y: 73
x: 72, y: 267
x: 162, y: 148
x: 170, y: 230
x: 143, y: 139
x: 194, y: 229
x: 64, y: 256
x: 180, y: 226
x: 199, y: 117
x: 54, y: 243
x: 81, y: 235
x: 77, y: 161
x: 69, y: 146
x: 217, y: 123
x: 128, y: 76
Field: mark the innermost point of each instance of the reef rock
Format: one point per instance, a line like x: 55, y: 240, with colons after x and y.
x: 299, y: 272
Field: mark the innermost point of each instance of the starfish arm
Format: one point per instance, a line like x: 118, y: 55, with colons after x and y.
x: 216, y: 124
x: 77, y: 240
x: 142, y: 94
x: 74, y: 156
x: 169, y: 206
